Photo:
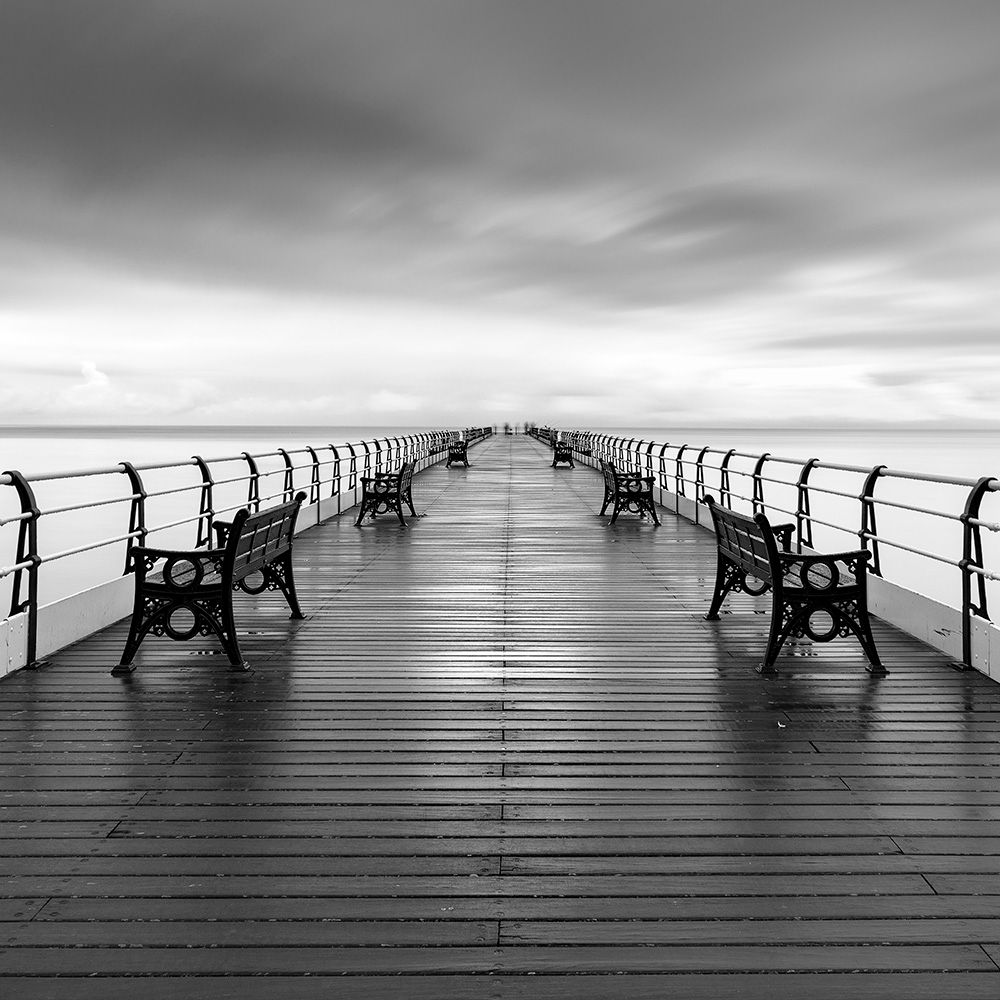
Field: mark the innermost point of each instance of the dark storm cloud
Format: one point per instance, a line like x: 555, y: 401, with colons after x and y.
x: 123, y: 87
x: 237, y: 140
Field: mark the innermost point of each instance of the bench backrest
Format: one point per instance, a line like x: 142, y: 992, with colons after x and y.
x: 405, y: 477
x: 747, y: 541
x: 610, y: 476
x: 258, y: 539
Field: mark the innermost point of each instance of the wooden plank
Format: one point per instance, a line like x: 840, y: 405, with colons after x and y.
x: 757, y: 986
x: 557, y: 908
x: 346, y: 960
x: 701, y: 933
x: 596, y: 885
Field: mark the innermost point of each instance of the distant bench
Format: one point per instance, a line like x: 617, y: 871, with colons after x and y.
x: 458, y: 451
x: 386, y: 492
x: 562, y: 451
x: 627, y: 491
x: 820, y: 596
x: 197, y: 585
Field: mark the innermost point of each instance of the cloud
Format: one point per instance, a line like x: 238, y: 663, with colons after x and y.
x: 978, y: 341
x: 564, y: 207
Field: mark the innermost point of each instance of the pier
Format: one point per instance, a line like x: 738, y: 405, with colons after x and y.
x: 504, y: 755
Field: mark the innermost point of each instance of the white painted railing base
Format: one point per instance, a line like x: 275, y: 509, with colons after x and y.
x: 13, y: 643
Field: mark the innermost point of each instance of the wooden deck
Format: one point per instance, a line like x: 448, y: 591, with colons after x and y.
x: 503, y: 757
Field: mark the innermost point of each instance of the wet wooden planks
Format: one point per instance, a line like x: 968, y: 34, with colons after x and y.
x: 504, y: 756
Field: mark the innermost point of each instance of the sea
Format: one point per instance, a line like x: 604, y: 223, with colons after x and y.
x: 962, y: 454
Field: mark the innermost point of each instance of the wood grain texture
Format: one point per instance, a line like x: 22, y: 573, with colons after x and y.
x: 503, y: 756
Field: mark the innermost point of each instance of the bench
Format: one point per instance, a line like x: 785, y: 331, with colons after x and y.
x: 627, y: 491
x: 820, y: 596
x: 193, y: 595
x: 458, y: 451
x: 387, y: 491
x: 562, y: 451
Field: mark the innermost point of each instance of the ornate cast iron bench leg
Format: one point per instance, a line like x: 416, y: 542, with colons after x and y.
x: 212, y: 614
x: 277, y: 576
x: 727, y: 579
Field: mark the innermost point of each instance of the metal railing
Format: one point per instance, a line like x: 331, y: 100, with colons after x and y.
x: 332, y: 477
x: 680, y: 470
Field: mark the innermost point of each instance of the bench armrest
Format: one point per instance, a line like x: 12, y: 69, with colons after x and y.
x: 221, y: 529
x: 384, y: 484
x: 804, y: 570
x: 144, y: 558
x: 193, y: 554
x: 784, y: 532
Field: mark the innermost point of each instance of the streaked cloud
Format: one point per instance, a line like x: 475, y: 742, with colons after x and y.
x: 651, y: 211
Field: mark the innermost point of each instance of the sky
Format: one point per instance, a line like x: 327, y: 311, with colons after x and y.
x: 649, y: 213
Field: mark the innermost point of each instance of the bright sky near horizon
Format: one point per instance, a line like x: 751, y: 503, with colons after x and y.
x: 647, y: 212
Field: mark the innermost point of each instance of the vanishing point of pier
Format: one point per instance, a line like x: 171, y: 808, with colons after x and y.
x: 504, y: 755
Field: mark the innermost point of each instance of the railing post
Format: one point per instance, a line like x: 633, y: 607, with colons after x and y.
x: 664, y: 485
x: 803, y: 521
x: 628, y: 450
x: 206, y: 512
x: 972, y: 556
x: 378, y: 456
x: 352, y: 472
x: 758, y: 484
x: 679, y: 475
x: 314, y: 477
x: 699, y: 476
x: 699, y: 483
x: 137, y: 513
x: 253, y: 483
x: 868, y: 520
x: 725, y: 488
x: 335, y: 476
x: 27, y: 552
x: 288, y: 487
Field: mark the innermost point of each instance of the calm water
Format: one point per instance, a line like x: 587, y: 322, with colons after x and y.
x: 37, y: 450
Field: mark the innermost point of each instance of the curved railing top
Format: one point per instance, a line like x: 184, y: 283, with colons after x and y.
x: 785, y: 460
x: 40, y: 477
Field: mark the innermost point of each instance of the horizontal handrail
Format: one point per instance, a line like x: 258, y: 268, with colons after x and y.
x: 41, y: 477
x: 16, y: 568
x: 56, y: 556
x: 88, y: 505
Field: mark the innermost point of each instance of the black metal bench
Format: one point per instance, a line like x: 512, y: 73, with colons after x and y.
x: 562, y: 451
x: 197, y: 585
x: 458, y: 451
x: 387, y: 492
x: 820, y: 596
x: 627, y: 491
